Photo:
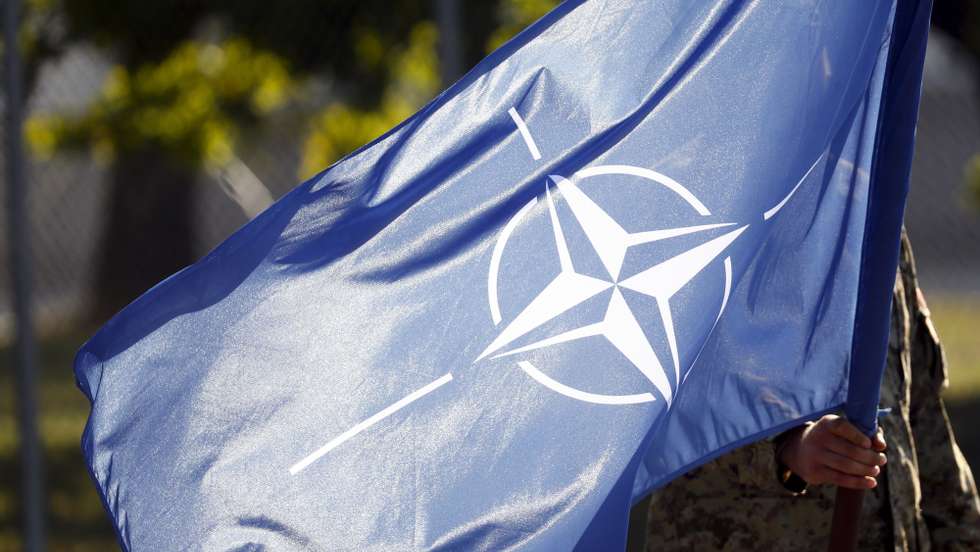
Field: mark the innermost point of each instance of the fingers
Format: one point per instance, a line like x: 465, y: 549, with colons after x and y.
x: 879, y: 441
x: 833, y: 451
x: 848, y: 466
x: 842, y: 428
x: 863, y: 455
x: 849, y: 481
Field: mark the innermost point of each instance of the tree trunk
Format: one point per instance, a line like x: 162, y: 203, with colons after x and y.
x: 149, y: 234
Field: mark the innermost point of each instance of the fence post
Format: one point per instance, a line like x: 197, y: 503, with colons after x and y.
x: 32, y: 467
x: 450, y: 47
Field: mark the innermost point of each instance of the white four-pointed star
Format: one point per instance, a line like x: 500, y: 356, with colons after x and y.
x: 618, y: 326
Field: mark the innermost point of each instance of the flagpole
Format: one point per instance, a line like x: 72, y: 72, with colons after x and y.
x: 847, y: 520
x: 32, y: 486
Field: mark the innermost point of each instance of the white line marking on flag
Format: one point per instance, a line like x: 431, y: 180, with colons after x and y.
x: 340, y: 439
x: 525, y: 133
x: 728, y: 289
x: 772, y: 212
x: 563, y: 389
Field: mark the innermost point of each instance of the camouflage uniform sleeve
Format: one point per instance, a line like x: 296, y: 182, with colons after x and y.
x: 949, y: 504
x: 736, y: 503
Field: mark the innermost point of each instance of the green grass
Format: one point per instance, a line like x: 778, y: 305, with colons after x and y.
x: 957, y: 319
x: 75, y: 517
x: 77, y: 522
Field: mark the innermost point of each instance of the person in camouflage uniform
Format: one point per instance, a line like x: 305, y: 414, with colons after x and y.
x: 925, y: 498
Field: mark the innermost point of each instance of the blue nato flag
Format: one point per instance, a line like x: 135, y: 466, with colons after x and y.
x: 638, y: 235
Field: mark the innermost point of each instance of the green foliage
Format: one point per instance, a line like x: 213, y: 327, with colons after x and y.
x: 174, y: 93
x: 191, y: 98
x: 342, y: 127
x: 413, y: 79
x: 187, y: 105
x: 515, y: 15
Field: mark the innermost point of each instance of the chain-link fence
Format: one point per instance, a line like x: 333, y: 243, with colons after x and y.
x: 72, y: 192
x: 66, y: 197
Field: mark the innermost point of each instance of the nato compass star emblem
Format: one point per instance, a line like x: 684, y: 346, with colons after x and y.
x: 570, y: 288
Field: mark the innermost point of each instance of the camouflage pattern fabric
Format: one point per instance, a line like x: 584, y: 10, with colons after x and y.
x: 926, y: 497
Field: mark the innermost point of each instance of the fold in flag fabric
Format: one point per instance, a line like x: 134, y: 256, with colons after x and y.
x: 638, y: 235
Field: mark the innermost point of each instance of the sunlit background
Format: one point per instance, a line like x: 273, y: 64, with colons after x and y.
x: 154, y: 129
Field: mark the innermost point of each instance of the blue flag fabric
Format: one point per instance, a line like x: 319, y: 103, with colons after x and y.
x: 636, y: 236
